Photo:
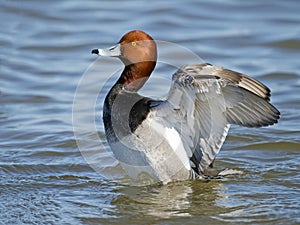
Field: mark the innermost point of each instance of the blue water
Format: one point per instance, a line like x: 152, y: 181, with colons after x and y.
x: 45, y: 53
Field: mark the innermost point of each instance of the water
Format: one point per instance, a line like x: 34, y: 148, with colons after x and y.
x: 45, y: 50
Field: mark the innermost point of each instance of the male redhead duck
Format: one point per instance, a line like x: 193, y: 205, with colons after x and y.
x: 179, y: 137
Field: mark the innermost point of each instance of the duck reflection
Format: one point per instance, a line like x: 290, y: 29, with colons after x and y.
x: 180, y: 199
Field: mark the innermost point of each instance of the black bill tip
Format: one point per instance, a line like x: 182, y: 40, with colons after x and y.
x: 95, y: 51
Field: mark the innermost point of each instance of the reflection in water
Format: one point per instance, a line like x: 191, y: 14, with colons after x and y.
x: 181, y: 199
x: 238, y: 199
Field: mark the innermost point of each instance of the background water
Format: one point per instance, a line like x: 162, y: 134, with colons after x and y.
x: 45, y: 50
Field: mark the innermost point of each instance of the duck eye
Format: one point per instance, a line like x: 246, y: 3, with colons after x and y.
x: 133, y: 43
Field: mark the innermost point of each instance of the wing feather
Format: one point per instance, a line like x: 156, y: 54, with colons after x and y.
x: 234, y: 77
x: 202, y: 103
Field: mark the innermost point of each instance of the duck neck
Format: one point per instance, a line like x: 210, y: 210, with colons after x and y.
x: 135, y: 75
x: 132, y: 79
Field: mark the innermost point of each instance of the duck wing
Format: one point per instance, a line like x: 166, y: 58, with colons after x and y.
x: 202, y: 103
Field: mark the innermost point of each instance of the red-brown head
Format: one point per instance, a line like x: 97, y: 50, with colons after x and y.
x: 137, y: 50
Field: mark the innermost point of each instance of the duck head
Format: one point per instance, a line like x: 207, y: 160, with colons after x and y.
x: 137, y: 50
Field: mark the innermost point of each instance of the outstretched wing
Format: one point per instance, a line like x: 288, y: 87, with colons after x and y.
x: 204, y: 100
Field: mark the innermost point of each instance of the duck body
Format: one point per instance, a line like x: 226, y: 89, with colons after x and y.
x: 177, y: 138
x: 144, y: 144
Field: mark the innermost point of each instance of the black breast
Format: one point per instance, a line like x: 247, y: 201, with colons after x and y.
x: 138, y: 113
x: 123, y: 112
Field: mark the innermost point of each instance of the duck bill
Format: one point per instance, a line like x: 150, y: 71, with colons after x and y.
x: 113, y: 51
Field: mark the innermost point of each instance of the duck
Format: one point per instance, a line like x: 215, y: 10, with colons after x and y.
x: 176, y: 138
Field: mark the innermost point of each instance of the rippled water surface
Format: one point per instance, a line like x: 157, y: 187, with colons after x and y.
x: 45, y: 51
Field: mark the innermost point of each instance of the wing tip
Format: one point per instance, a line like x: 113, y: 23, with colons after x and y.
x: 269, y: 120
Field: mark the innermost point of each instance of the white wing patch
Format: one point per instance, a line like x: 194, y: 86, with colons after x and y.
x: 173, y: 138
